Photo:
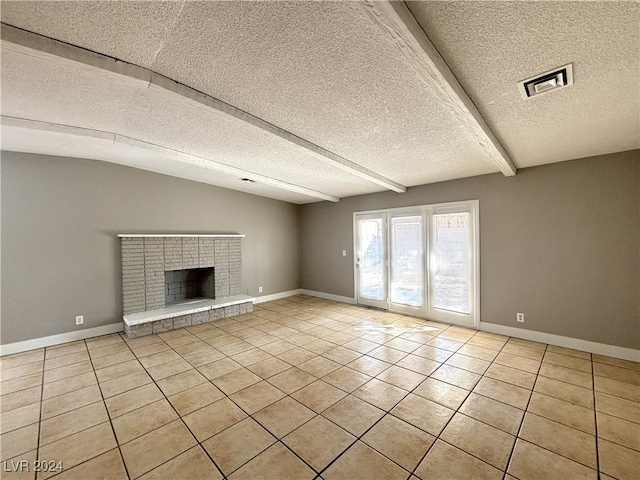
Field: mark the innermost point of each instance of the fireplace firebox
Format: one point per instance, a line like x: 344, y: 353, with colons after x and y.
x: 189, y: 284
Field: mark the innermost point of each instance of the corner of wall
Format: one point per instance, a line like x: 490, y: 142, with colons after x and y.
x: 300, y: 219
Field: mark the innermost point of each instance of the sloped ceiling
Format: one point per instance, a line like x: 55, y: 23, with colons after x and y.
x: 316, y: 100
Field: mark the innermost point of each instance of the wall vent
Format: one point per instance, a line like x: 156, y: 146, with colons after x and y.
x: 546, y: 82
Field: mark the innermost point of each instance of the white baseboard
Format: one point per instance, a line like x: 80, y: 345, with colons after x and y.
x: 302, y: 291
x: 328, y: 296
x: 35, y: 343
x: 277, y: 296
x: 561, y: 341
x: 552, y: 339
x: 49, y: 341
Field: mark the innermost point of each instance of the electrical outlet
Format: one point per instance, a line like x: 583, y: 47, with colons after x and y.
x: 79, y: 319
x: 520, y: 317
x: 344, y: 253
x: 259, y: 289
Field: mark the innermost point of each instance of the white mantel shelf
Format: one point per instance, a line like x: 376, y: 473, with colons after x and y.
x: 174, y: 235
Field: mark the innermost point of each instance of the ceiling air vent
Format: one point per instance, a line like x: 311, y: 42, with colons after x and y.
x: 547, y: 82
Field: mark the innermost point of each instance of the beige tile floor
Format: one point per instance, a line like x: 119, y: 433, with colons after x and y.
x: 308, y: 388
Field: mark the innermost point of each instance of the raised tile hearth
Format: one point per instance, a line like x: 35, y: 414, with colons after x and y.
x: 172, y: 281
x: 185, y: 315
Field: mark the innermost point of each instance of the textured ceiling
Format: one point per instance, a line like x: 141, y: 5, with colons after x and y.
x: 324, y: 71
x: 131, y: 31
x: 327, y: 73
x: 66, y: 145
x: 86, y: 97
x: 490, y: 46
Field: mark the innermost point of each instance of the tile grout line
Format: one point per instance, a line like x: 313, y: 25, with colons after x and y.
x: 595, y: 416
x: 278, y: 440
x: 104, y: 399
x: 556, y: 453
x: 153, y: 380
x: 502, y: 380
x: 457, y: 410
x: 44, y: 359
x: 388, y: 412
x: 567, y: 426
x: 54, y: 416
x: 170, y: 347
x: 115, y: 437
x: 595, y: 435
x: 287, y: 395
x: 343, y: 330
x: 437, y: 437
x: 230, y: 399
x: 526, y: 409
x: 142, y: 406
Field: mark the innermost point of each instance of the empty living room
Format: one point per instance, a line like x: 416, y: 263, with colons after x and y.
x: 359, y: 239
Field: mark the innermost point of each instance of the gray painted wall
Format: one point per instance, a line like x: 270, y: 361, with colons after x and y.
x: 60, y: 254
x: 560, y: 243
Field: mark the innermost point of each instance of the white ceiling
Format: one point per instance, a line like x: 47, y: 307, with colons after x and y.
x: 335, y: 105
x: 490, y: 46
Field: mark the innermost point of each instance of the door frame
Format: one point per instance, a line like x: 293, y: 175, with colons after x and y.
x: 474, y: 264
x: 384, y: 303
x: 473, y: 206
x: 398, y: 307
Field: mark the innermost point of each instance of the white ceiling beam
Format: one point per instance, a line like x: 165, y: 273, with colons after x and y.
x: 37, y: 42
x: 24, y: 123
x: 186, y: 158
x: 160, y: 81
x: 221, y: 167
x: 402, y: 29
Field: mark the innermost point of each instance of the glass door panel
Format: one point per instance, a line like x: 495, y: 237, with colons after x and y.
x: 371, y: 260
x: 407, y: 262
x: 451, y: 269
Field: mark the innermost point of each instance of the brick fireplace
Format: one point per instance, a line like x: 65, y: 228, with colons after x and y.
x: 162, y: 272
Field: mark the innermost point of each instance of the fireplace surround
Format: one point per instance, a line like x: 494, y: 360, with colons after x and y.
x: 171, y: 281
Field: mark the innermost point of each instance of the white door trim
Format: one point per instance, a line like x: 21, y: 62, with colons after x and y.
x: 472, y: 206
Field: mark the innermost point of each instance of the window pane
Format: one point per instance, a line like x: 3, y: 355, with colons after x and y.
x: 406, y: 254
x: 451, y: 268
x: 372, y: 261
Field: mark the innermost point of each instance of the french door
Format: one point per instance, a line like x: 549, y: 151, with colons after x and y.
x: 371, y: 260
x: 421, y: 261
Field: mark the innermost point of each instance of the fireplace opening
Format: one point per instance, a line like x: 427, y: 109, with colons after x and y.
x: 183, y: 286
